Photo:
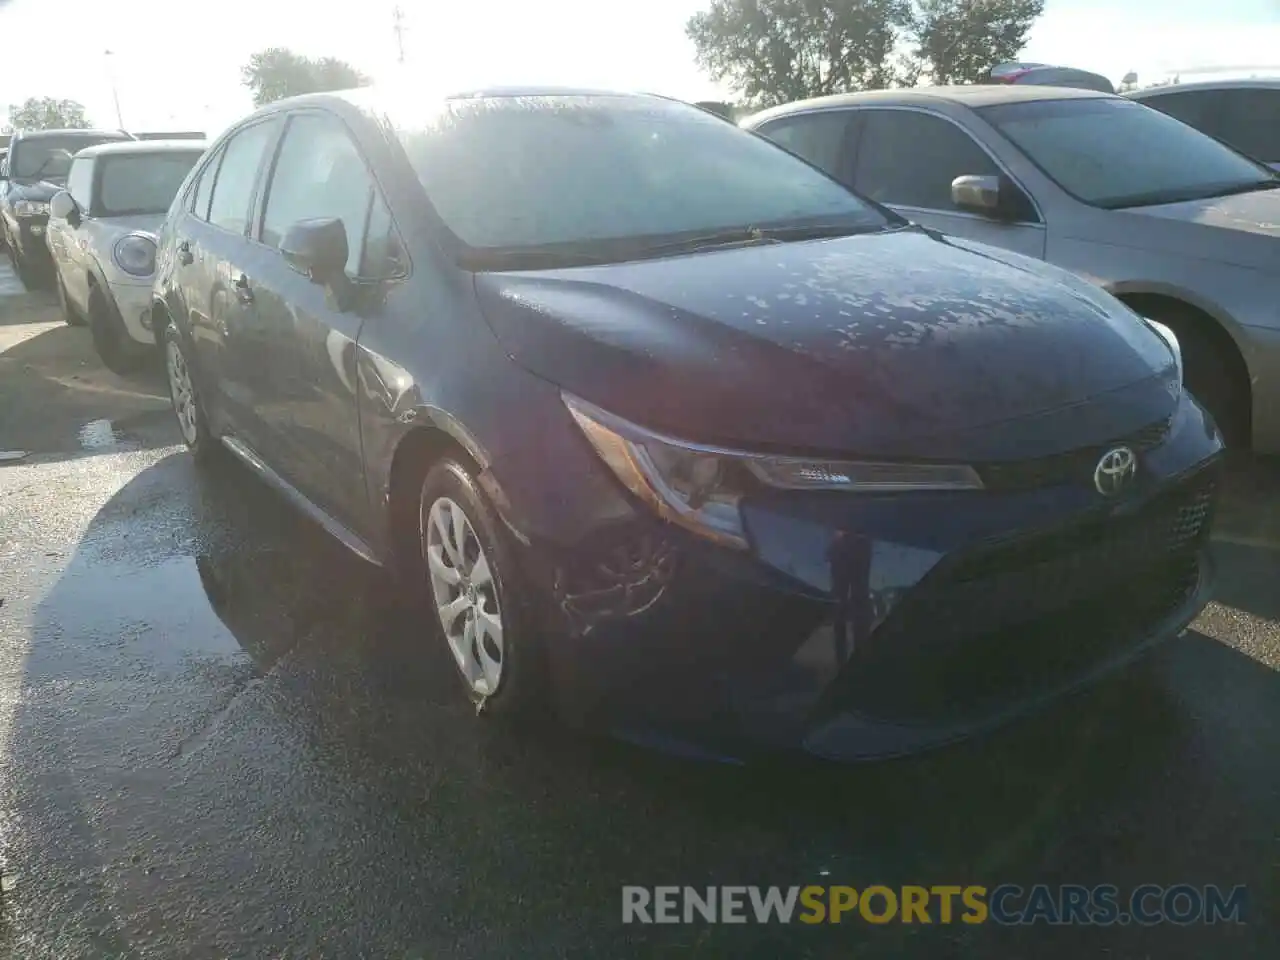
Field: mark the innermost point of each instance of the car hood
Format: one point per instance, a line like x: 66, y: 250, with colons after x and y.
x: 33, y: 190
x: 1242, y: 230
x: 148, y: 223
x: 894, y: 344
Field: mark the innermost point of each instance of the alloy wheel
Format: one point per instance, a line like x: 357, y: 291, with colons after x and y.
x: 182, y: 392
x: 465, y: 594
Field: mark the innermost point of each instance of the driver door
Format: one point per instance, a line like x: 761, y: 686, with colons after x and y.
x: 907, y: 158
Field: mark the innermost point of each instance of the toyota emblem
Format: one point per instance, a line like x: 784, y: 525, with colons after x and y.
x: 1114, y: 471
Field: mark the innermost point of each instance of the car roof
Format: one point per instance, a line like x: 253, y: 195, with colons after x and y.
x: 70, y: 132
x: 1263, y: 83
x: 134, y: 147
x: 367, y: 99
x: 972, y: 95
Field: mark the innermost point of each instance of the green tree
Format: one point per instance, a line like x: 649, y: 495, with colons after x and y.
x: 958, y: 41
x: 47, y: 113
x: 775, y: 51
x: 276, y: 73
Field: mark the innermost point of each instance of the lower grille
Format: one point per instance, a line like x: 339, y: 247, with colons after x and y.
x: 1000, y: 623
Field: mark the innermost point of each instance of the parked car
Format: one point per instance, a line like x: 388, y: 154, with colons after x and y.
x: 674, y: 430
x: 1242, y: 113
x: 1048, y: 75
x: 38, y: 162
x: 1180, y: 227
x: 101, y: 233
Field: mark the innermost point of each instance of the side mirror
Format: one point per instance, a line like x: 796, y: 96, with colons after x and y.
x: 317, y: 249
x: 995, y: 197
x: 62, y: 207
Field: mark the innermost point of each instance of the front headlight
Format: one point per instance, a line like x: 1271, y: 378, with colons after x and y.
x: 31, y: 208
x: 1171, y: 339
x: 135, y: 255
x: 701, y: 487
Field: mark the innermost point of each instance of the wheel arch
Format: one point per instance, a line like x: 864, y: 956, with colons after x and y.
x: 1210, y: 320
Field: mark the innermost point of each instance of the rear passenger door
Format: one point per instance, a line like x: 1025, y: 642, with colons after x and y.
x: 907, y: 158
x: 320, y: 172
x: 216, y: 264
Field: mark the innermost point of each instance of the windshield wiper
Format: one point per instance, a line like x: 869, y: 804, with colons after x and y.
x: 751, y: 236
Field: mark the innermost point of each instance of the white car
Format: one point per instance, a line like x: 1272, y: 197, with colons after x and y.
x: 101, y: 233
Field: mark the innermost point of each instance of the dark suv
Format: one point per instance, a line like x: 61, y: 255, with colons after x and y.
x: 35, y: 169
x: 669, y: 428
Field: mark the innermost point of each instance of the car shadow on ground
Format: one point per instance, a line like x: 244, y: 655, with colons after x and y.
x: 57, y: 398
x: 223, y: 707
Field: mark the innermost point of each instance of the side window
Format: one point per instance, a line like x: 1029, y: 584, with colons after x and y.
x: 1252, y: 122
x: 319, y: 174
x: 204, y: 186
x: 383, y: 255
x: 910, y: 158
x: 237, y: 174
x: 1201, y: 109
x: 80, y: 182
x: 818, y: 137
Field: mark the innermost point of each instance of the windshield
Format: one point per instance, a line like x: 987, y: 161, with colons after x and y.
x: 142, y: 183
x: 613, y: 172
x: 1113, y: 152
x: 48, y: 158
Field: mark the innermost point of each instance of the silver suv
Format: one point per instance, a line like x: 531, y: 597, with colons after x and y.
x: 101, y: 233
x: 1180, y: 227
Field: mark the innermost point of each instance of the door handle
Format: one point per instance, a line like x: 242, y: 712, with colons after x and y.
x: 184, y: 253
x: 243, y: 292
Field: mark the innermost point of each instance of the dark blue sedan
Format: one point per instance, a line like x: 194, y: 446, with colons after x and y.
x: 674, y: 432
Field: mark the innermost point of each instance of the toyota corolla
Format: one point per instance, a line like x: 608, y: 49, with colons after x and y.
x: 675, y: 433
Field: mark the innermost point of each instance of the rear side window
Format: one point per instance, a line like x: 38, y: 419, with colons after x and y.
x: 1201, y: 109
x: 204, y: 186
x: 817, y: 137
x: 910, y: 158
x: 1252, y: 123
x: 237, y: 175
x: 319, y: 174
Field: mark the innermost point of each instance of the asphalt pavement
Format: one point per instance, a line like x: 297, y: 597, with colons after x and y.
x: 222, y: 736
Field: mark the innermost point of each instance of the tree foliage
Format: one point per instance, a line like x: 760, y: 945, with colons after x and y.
x: 277, y: 72
x: 958, y: 41
x: 47, y: 113
x: 775, y: 51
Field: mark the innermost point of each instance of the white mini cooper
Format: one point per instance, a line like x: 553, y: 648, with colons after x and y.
x: 102, y: 231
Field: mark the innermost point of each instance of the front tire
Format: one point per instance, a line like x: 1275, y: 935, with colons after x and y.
x: 1210, y: 375
x: 69, y: 315
x: 473, y: 586
x: 25, y: 271
x: 114, y: 347
x: 187, y: 407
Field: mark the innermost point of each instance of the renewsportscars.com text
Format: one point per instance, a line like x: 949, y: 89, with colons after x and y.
x: 1006, y: 904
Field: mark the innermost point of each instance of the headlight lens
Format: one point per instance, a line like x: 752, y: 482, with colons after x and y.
x: 701, y: 488
x: 136, y: 255
x: 31, y: 208
x: 1170, y: 338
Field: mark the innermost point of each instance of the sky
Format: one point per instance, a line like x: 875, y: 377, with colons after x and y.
x: 177, y: 65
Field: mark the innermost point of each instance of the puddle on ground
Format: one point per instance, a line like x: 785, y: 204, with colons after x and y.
x: 100, y: 435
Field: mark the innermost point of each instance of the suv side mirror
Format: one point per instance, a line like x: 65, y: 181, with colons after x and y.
x: 995, y: 197
x: 64, y: 208
x: 317, y: 249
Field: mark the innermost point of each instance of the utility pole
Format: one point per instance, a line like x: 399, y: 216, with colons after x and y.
x: 397, y: 18
x: 115, y: 94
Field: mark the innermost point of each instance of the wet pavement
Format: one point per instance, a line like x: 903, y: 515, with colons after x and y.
x: 222, y: 736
